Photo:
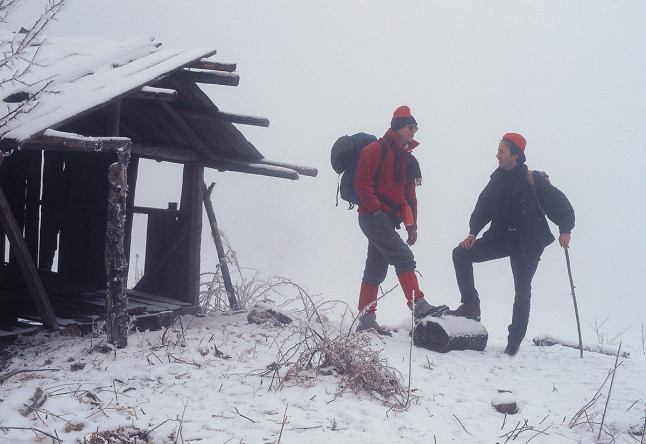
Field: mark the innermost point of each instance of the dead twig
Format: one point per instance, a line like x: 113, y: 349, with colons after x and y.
x: 14, y: 373
x: 584, y: 410
x: 462, y: 425
x: 245, y: 417
x: 643, y: 429
x: 612, y: 380
x: 35, y: 430
x: 280, y: 435
x: 522, y: 429
x: 181, y: 425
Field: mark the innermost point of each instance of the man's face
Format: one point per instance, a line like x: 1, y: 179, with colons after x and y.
x: 407, y: 134
x: 505, y: 160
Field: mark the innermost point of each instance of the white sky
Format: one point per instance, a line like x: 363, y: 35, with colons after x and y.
x: 569, y: 76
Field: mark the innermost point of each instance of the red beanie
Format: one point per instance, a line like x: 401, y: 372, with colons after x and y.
x: 516, y: 139
x: 401, y: 118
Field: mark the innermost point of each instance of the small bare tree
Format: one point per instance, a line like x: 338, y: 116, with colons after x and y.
x: 17, y: 57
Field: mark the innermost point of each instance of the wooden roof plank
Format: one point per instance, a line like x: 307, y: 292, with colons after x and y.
x: 151, y: 93
x: 209, y: 77
x: 215, y: 66
x: 100, y: 89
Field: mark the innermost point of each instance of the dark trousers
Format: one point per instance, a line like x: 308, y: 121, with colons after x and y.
x: 522, y: 268
x: 385, y: 247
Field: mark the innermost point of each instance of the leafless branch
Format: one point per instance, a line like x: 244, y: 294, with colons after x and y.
x: 36, y: 431
x: 612, y: 380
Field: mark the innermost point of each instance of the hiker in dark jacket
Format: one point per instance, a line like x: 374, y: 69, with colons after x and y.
x: 516, y: 202
x: 386, y: 189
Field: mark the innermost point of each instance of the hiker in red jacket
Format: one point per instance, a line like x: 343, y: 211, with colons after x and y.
x: 386, y: 189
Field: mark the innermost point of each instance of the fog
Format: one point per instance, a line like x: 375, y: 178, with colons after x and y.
x: 568, y: 76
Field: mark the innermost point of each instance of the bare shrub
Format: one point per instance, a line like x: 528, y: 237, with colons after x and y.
x: 248, y: 287
x: 315, y: 348
x: 604, y: 336
x: 350, y: 356
x: 321, y: 350
x: 588, y: 414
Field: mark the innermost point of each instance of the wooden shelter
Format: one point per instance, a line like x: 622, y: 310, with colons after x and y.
x: 87, y: 105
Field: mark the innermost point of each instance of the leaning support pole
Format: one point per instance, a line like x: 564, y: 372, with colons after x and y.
x: 116, y: 263
x: 576, y: 309
x: 226, y: 277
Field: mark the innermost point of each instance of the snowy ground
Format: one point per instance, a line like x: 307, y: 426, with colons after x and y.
x: 200, y: 381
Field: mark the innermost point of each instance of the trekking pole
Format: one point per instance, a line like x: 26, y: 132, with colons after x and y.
x: 576, y: 310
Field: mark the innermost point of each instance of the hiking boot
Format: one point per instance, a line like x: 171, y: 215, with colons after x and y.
x: 369, y: 321
x: 511, y: 349
x: 423, y: 309
x: 469, y: 310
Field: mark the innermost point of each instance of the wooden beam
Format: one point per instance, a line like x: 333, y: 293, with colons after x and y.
x: 116, y: 262
x: 166, y: 153
x: 228, y: 117
x: 304, y: 170
x: 191, y: 114
x: 62, y: 141
x: 215, y: 66
x: 26, y: 264
x: 251, y: 168
x: 186, y: 131
x: 151, y: 93
x: 215, y: 232
x: 195, y: 180
x: 209, y: 77
x: 170, y: 154
x: 113, y: 117
x: 132, y: 173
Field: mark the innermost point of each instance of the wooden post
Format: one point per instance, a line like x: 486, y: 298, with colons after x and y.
x: 194, y: 180
x: 26, y: 264
x: 116, y: 262
x: 226, y: 277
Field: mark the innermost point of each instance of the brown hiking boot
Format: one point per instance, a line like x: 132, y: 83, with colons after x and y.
x: 369, y: 321
x: 469, y: 310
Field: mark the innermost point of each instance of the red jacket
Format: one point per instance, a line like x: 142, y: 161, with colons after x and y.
x: 389, y: 190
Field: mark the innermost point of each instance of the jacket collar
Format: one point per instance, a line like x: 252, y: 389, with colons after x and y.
x: 395, y: 138
x: 519, y: 169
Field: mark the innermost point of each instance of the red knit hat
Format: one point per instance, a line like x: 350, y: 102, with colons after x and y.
x: 401, y: 118
x: 516, y: 139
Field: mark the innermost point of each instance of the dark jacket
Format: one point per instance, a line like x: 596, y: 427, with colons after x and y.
x: 527, y: 217
x: 390, y: 194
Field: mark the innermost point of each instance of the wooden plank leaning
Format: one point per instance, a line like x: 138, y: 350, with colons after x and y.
x: 26, y: 264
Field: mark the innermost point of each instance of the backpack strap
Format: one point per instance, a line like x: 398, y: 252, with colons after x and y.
x: 384, y: 152
x: 530, y: 177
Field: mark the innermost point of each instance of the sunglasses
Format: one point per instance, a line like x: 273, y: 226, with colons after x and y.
x: 412, y: 127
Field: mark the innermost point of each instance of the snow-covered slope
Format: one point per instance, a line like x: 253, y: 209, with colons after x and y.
x: 202, y: 381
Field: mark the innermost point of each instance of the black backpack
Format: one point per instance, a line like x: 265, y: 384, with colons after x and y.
x: 344, y: 157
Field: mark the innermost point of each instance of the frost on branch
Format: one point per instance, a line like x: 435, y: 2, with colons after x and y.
x: 18, y: 56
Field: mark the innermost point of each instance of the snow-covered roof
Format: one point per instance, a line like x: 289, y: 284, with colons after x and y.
x: 69, y: 84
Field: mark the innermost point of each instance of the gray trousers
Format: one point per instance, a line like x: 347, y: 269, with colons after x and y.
x: 385, y: 247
